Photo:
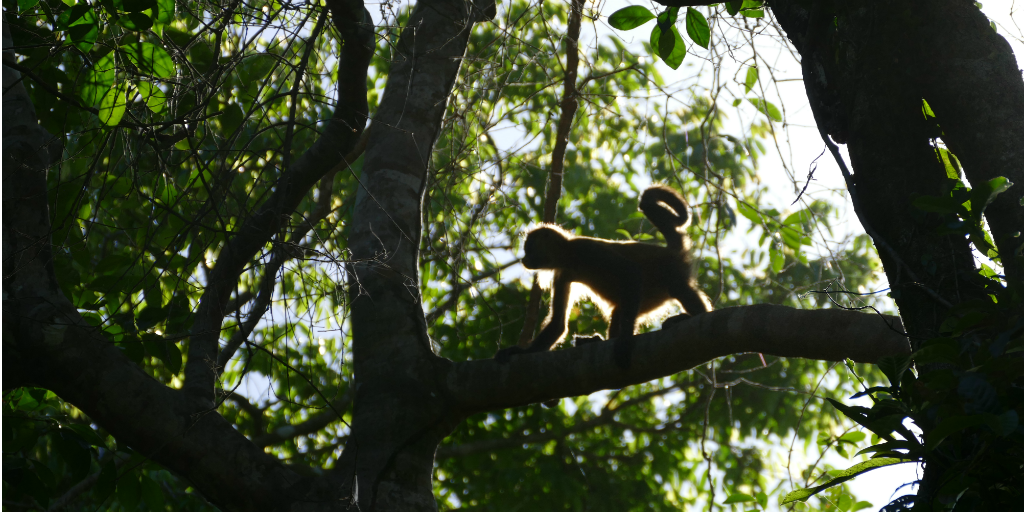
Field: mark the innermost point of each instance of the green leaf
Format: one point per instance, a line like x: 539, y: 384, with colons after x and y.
x: 150, y: 58
x: 132, y: 348
x: 113, y: 104
x: 665, y: 45
x: 152, y: 494
x: 154, y: 97
x: 128, y: 490
x: 252, y: 69
x: 173, y: 358
x: 733, y: 6
x: 107, y: 480
x: 98, y: 80
x: 982, y: 241
x: 82, y: 25
x: 668, y: 17
x: 854, y: 412
x: 894, y: 366
x: 88, y: 435
x: 164, y: 350
x: 77, y: 457
x: 752, y: 76
x: 982, y: 195
x: 232, y: 118
x: 799, y: 217
x: 136, y: 21
x: 762, y: 499
x: 697, y: 27
x: 926, y: 109
x: 26, y: 481
x: 778, y: 259
x: 84, y: 35
x: 73, y: 15
x: 738, y: 498
x: 793, y: 238
x: 840, y: 477
x: 164, y: 11
x: 24, y: 5
x: 676, y: 48
x: 766, y: 108
x: 950, y: 162
x: 890, y: 446
x: 630, y: 17
x: 853, y: 437
x: 150, y: 316
x: 749, y: 212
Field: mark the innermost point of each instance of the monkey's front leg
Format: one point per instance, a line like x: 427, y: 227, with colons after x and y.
x: 553, y: 330
x: 623, y: 321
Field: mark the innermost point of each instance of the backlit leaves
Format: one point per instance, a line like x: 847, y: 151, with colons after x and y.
x: 697, y: 27
x: 630, y: 17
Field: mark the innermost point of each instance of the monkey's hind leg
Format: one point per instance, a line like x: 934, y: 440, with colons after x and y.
x: 621, y: 329
x: 693, y: 300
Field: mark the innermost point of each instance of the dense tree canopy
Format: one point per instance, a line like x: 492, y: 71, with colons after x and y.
x: 258, y: 255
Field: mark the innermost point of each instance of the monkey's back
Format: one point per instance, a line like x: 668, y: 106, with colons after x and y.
x: 656, y: 266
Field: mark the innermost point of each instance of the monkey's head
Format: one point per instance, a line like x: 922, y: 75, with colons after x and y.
x: 544, y: 248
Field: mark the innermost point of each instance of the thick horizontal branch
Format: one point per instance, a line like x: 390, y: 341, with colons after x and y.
x: 827, y: 334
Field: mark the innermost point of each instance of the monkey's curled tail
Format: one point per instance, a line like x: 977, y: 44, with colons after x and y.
x: 669, y: 221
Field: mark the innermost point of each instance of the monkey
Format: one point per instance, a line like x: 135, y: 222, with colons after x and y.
x: 633, y: 279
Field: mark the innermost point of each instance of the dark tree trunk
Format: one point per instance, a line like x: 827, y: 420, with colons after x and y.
x: 867, y: 67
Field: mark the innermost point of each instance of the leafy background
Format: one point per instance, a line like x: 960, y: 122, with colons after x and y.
x: 178, y: 118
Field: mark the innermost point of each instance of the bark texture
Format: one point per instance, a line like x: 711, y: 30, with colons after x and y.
x: 401, y: 413
x: 339, y: 137
x: 867, y: 68
x: 829, y: 335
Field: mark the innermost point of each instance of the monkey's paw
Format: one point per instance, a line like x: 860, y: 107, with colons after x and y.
x: 579, y: 341
x: 672, y: 320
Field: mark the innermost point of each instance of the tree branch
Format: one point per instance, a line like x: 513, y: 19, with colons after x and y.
x: 459, y: 287
x: 569, y: 105
x: 315, y: 423
x: 341, y: 136
x: 281, y: 255
x: 43, y: 331
x: 827, y: 334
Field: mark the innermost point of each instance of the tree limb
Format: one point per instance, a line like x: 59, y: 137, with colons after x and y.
x: 315, y: 423
x: 341, y: 136
x: 568, y: 105
x: 827, y: 334
x: 44, y: 332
